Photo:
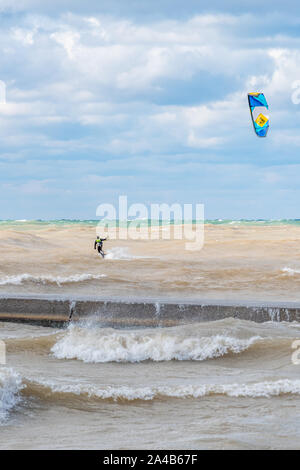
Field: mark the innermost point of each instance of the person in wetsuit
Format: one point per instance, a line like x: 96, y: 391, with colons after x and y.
x: 99, y: 245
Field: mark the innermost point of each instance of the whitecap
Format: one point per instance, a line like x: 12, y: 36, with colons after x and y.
x: 109, y: 345
x: 265, y: 389
x: 10, y: 385
x: 48, y: 279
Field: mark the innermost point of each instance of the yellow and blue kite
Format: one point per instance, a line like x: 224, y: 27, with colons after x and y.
x: 258, y: 109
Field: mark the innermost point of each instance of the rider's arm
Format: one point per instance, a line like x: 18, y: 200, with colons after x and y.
x: 95, y: 245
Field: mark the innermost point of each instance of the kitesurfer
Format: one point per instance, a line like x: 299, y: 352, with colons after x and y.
x: 99, y: 245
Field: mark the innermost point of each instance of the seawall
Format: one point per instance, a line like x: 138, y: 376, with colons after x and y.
x: 136, y: 313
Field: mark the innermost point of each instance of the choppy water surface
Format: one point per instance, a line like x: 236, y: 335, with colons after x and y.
x: 240, y: 260
x: 224, y: 384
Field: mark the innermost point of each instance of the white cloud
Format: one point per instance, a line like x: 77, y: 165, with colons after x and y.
x: 98, y: 60
x: 24, y: 36
x: 69, y: 40
x: 134, y: 94
x: 204, y: 142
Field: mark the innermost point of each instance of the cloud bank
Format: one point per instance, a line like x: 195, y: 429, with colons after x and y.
x: 102, y: 102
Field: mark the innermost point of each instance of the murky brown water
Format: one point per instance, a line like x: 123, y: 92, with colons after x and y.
x: 225, y: 384
x: 237, y: 262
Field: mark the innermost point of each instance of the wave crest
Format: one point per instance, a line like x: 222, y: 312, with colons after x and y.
x: 108, y: 345
x: 126, y: 393
x: 10, y: 385
x: 44, y: 279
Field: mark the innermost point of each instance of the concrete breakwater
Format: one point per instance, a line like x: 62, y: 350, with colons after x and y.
x: 136, y: 313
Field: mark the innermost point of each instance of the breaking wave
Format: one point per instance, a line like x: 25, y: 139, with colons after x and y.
x: 10, y: 386
x: 125, y: 393
x: 108, y: 345
x: 22, y: 278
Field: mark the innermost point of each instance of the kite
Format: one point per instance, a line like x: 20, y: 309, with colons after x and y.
x: 259, y: 113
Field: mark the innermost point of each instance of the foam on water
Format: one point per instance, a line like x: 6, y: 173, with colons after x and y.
x: 108, y: 345
x: 265, y: 389
x: 290, y: 271
x: 10, y: 386
x: 120, y: 253
x: 43, y: 279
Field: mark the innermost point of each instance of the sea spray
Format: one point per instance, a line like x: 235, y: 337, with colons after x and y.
x: 121, y: 253
x: 10, y: 386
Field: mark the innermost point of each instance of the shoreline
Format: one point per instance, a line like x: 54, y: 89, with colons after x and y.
x: 123, y: 313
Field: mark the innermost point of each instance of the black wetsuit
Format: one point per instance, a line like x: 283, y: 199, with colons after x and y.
x: 99, y: 245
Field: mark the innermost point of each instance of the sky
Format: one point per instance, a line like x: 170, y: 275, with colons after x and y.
x: 148, y: 99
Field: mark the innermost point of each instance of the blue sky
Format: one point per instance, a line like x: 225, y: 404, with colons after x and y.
x: 148, y: 99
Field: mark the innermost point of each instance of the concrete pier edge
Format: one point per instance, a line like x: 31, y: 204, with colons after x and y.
x: 120, y: 313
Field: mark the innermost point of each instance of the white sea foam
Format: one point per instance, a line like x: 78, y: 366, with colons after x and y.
x: 119, y: 253
x: 108, y: 345
x: 290, y: 271
x: 44, y: 279
x: 10, y: 385
x: 250, y: 390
